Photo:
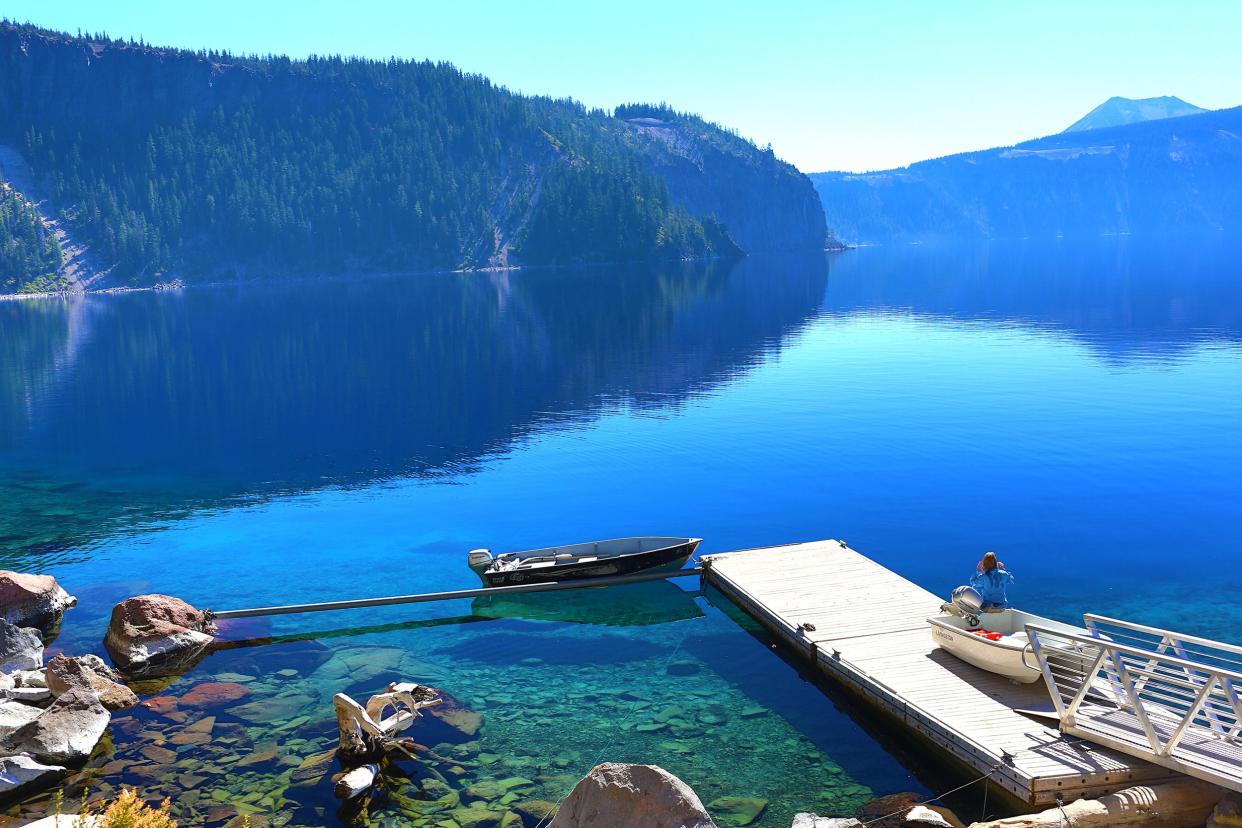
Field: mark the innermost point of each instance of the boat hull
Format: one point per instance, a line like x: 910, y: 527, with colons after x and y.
x: 987, y: 655
x: 1011, y: 656
x: 669, y: 558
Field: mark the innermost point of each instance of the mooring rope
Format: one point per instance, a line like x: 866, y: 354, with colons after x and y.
x: 1065, y: 818
x: 906, y: 808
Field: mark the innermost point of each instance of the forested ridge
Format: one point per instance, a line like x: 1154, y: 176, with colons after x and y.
x: 207, y: 164
x: 29, y: 251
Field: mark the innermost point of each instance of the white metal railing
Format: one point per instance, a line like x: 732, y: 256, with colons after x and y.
x: 1173, y: 684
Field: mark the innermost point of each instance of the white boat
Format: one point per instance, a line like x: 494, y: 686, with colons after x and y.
x: 995, y: 641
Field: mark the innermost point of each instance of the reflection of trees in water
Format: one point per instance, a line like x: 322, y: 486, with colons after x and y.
x: 40, y: 340
x: 1125, y: 298
x: 219, y: 392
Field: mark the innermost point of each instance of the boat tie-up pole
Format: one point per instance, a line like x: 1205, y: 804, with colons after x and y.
x: 452, y: 595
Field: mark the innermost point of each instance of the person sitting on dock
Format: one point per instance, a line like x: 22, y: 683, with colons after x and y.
x: 990, y: 580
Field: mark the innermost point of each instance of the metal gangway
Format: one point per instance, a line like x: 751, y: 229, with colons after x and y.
x: 1155, y: 694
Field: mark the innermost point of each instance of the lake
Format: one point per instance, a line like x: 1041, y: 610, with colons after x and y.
x: 1075, y: 406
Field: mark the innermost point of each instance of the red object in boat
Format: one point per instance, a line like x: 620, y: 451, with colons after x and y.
x: 989, y: 635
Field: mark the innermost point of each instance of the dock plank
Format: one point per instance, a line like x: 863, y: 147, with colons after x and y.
x: 870, y: 632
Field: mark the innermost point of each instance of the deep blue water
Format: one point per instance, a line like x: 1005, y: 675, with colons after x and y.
x: 1076, y: 407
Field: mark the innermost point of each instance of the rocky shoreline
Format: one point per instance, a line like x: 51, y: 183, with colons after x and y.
x: 253, y: 740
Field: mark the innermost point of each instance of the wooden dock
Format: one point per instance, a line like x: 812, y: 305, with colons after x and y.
x: 871, y: 634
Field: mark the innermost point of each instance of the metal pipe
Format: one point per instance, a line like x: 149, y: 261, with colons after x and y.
x: 612, y: 580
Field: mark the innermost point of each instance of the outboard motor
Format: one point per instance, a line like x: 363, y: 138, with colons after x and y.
x: 965, y: 602
x: 480, y: 560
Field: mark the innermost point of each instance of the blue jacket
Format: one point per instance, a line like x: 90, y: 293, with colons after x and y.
x: 991, y: 586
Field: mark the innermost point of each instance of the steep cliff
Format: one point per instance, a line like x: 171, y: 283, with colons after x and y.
x: 711, y: 171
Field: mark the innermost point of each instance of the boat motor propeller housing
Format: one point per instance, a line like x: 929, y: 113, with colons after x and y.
x: 966, y: 602
x: 480, y: 560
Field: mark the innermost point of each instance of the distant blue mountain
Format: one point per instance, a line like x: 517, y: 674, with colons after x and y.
x: 1119, y: 111
x: 1162, y: 176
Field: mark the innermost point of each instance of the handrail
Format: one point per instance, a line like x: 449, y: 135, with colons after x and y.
x: 1139, y: 652
x: 1132, y: 672
x: 1177, y: 704
x: 1143, y: 628
x: 1214, y: 652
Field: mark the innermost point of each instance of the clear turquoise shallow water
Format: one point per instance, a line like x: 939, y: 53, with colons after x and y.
x: 1078, y: 408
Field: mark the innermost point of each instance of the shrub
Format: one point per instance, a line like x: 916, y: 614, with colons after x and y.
x: 128, y: 811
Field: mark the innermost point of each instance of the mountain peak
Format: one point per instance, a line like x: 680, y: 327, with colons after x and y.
x: 1117, y: 111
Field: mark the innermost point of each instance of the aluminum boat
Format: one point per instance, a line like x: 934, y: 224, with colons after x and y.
x: 593, y: 559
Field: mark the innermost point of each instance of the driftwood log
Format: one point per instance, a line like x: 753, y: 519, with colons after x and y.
x: 357, y: 781
x: 368, y: 733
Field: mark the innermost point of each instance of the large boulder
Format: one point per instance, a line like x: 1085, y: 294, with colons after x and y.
x: 66, y: 732
x: 29, y: 678
x: 21, y: 648
x: 91, y: 672
x: 615, y: 795
x: 152, y: 635
x: 23, y: 773
x: 65, y: 821
x: 923, y: 815
x: 1185, y: 802
x: 1228, y: 813
x: 808, y: 820
x: 14, y: 714
x: 33, y: 601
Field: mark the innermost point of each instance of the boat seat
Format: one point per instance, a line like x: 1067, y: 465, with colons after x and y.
x: 588, y: 560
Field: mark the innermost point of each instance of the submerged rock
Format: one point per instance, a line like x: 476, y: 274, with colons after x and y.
x: 360, y: 666
x: 535, y: 809
x: 66, y: 732
x: 281, y: 707
x: 21, y: 648
x: 156, y: 635
x: 313, y: 768
x: 737, y: 810
x: 615, y: 795
x: 33, y: 601
x: 889, y: 811
x: 476, y: 816
x: 23, y: 773
x: 161, y: 705
x: 89, y: 671
x: 213, y: 694
x: 457, y: 716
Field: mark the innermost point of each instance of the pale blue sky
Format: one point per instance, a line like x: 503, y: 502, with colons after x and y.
x: 831, y: 85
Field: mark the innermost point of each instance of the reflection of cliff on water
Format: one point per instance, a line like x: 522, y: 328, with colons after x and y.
x: 181, y: 399
x: 1125, y: 298
x: 628, y: 605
